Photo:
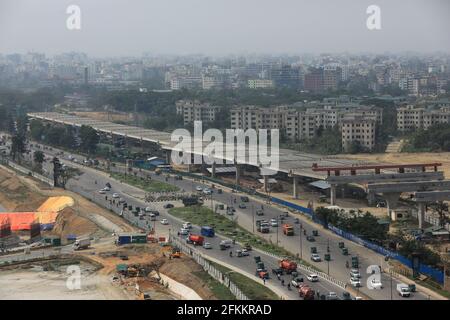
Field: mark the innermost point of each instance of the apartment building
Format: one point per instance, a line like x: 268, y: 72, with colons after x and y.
x: 260, y: 83
x: 246, y: 117
x: 412, y: 117
x: 196, y: 111
x: 358, y: 128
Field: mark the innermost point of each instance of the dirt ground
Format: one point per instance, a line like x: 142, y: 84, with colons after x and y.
x: 105, y: 116
x: 396, y: 158
x: 181, y: 270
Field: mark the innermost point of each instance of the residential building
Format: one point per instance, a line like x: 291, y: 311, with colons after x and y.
x: 360, y: 129
x: 196, y: 111
x: 412, y: 117
x: 260, y: 83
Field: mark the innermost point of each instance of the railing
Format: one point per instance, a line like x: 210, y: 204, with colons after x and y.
x: 29, y: 172
x: 208, y: 267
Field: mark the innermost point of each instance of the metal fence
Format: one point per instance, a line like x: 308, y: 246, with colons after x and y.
x: 431, y: 219
x: 208, y: 267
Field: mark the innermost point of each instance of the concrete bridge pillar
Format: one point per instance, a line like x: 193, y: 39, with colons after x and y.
x: 371, y: 199
x: 295, y: 187
x: 213, y: 170
x: 266, y: 183
x: 391, y: 201
x: 168, y: 156
x: 238, y: 175
x: 333, y: 194
x: 421, y: 214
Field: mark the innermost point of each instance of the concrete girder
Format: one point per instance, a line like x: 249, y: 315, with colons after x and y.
x: 409, y: 186
x: 385, y: 177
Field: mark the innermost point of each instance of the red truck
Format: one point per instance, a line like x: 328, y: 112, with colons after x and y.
x: 288, y: 229
x: 195, y: 239
x: 306, y: 292
x: 287, y: 265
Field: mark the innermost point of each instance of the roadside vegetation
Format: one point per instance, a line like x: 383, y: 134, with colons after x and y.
x: 144, y: 184
x: 219, y: 290
x: 252, y: 289
x: 435, y: 139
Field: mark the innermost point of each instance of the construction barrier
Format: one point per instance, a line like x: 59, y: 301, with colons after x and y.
x: 29, y: 172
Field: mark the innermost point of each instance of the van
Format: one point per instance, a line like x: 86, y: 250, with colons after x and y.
x: 227, y: 243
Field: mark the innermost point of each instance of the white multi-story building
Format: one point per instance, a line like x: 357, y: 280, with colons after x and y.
x: 252, y: 117
x: 196, y: 111
x: 260, y: 83
x: 411, y: 117
x: 360, y: 129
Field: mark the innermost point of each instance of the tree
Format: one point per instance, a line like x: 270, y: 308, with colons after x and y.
x: 89, y: 139
x: 37, y: 129
x: 39, y: 159
x: 18, y: 147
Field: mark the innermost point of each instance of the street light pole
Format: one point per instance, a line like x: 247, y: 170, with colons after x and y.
x: 253, y: 218
x: 301, y: 246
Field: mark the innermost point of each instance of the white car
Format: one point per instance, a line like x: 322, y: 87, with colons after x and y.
x: 332, y: 296
x: 315, y: 257
x: 148, y: 209
x: 207, y: 191
x: 376, y: 284
x: 354, y: 273
x: 356, y: 282
x: 152, y: 217
x: 207, y: 245
x: 187, y: 225
x: 106, y: 189
x: 274, y: 222
x: 312, y: 277
x: 115, y: 195
x: 101, y: 191
x: 198, y: 188
x: 165, y: 221
x: 184, y: 232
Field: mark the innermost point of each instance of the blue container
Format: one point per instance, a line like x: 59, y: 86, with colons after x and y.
x: 123, y: 240
x: 207, y: 232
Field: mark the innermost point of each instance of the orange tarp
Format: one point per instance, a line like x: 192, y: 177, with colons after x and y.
x: 24, y: 220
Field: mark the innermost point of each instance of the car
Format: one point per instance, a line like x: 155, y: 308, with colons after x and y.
x: 356, y: 282
x: 230, y: 211
x: 106, y: 189
x: 310, y: 238
x: 101, y: 191
x: 259, y: 212
x: 187, y: 225
x: 227, y: 243
x: 315, y: 257
x: 148, y: 209
x: 108, y: 185
x: 198, y: 188
x: 207, y: 191
x: 332, y: 296
x: 278, y: 271
x: 242, y: 206
x: 168, y: 206
x: 274, y: 222
x: 242, y: 253
x: 244, y: 199
x: 296, y: 282
x: 313, y: 277
x: 376, y: 284
x: 184, y: 231
x: 121, y: 200
x: 152, y: 217
x: 207, y: 245
x: 381, y: 204
x: 346, y: 296
x: 165, y: 221
x: 354, y: 273
x: 123, y: 257
x: 115, y: 195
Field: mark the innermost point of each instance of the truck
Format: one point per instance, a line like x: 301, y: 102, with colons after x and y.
x: 81, y: 244
x: 403, y: 290
x: 207, y: 231
x: 288, y: 229
x: 262, y: 226
x: 287, y: 265
x: 195, y: 239
x: 127, y: 238
x: 306, y: 292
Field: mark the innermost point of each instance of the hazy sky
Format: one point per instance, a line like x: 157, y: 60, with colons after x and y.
x: 131, y: 27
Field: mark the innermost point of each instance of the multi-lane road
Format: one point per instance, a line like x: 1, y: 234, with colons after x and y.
x: 92, y: 180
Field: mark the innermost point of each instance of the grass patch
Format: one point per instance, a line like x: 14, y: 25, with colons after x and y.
x: 219, y: 290
x: 144, y: 184
x: 252, y: 289
x: 203, y: 216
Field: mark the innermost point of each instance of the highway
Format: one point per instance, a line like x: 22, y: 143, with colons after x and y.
x: 86, y: 186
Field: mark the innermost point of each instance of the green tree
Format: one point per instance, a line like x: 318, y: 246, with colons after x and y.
x: 37, y: 129
x: 18, y: 147
x: 89, y: 139
x: 39, y: 158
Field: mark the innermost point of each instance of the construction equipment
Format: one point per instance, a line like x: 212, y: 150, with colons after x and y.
x: 306, y: 292
x: 175, y: 254
x: 195, y: 239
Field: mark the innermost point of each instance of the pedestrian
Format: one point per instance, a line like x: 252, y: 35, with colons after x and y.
x: 282, y: 282
x: 318, y: 294
x: 264, y: 281
x: 278, y: 276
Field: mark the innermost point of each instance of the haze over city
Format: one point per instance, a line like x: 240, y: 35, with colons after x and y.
x: 113, y: 28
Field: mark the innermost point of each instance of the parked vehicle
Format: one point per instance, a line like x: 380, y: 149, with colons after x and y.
x: 190, y: 201
x: 356, y: 282
x: 288, y: 229
x: 354, y: 273
x: 287, y: 265
x: 81, y: 244
x: 376, y: 284
x: 403, y: 290
x: 199, y: 188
